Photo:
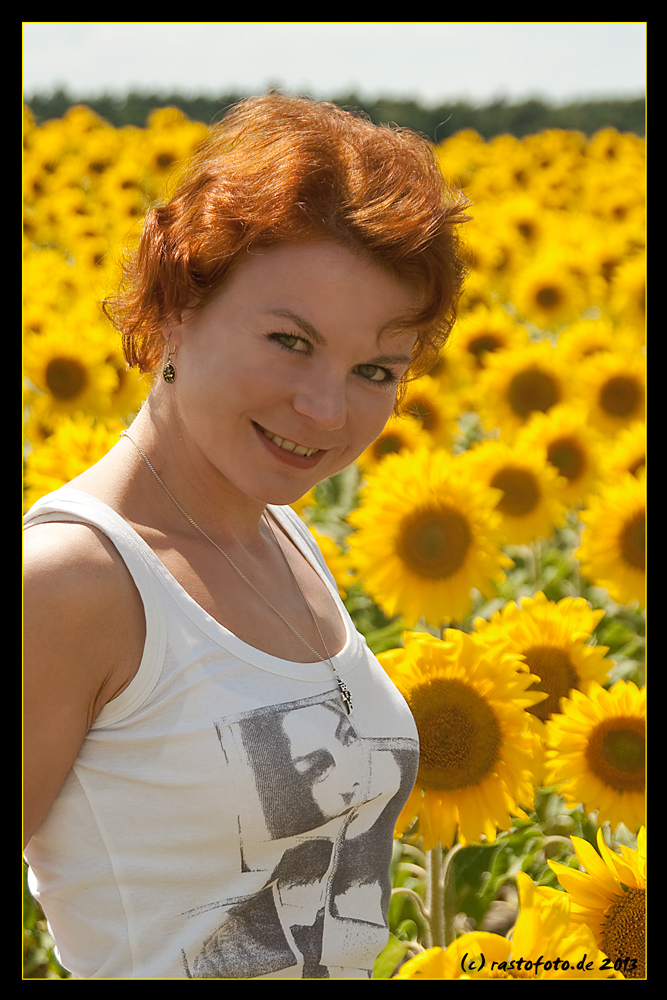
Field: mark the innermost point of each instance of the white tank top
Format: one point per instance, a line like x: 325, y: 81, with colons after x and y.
x: 225, y: 818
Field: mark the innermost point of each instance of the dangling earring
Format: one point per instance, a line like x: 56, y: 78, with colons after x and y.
x: 169, y: 372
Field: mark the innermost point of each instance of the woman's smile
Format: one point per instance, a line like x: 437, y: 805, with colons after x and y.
x: 290, y: 452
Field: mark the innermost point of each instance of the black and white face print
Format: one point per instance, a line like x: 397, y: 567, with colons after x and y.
x: 316, y: 805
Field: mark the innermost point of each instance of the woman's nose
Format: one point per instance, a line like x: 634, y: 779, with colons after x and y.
x: 323, y: 400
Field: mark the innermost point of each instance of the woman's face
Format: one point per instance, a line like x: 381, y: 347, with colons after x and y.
x: 327, y: 754
x: 285, y: 376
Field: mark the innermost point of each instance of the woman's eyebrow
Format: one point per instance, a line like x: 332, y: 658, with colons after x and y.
x: 391, y: 359
x: 300, y: 322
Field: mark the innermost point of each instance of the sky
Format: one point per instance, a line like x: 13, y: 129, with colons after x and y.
x: 432, y: 62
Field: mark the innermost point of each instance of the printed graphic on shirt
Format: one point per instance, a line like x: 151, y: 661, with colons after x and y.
x: 315, y: 836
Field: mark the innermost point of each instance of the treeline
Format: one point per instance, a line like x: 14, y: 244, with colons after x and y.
x: 437, y: 122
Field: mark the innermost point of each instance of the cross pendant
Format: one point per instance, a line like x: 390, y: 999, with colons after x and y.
x: 346, y: 696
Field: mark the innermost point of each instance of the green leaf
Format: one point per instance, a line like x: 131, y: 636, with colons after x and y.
x: 390, y: 958
x: 388, y: 637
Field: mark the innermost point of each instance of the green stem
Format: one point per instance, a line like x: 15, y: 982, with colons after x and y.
x: 536, y: 550
x: 411, y: 894
x: 441, y: 897
x: 435, y: 897
x: 450, y: 908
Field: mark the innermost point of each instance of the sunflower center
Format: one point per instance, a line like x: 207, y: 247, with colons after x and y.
x: 164, y: 160
x: 459, y: 735
x: 616, y: 753
x: 568, y: 457
x: 548, y: 297
x: 388, y: 444
x: 423, y: 410
x: 520, y: 491
x: 620, y: 396
x: 532, y: 390
x: 557, y: 677
x: 433, y: 543
x: 65, y: 377
x: 624, y: 932
x: 481, y: 344
x: 633, y: 541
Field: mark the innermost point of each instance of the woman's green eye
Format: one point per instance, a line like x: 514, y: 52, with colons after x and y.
x: 291, y: 342
x: 374, y: 374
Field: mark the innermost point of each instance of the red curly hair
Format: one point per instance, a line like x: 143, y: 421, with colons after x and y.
x: 279, y: 169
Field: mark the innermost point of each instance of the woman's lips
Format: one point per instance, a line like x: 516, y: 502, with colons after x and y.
x: 290, y: 452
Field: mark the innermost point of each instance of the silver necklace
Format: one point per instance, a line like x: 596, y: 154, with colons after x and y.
x: 344, y: 692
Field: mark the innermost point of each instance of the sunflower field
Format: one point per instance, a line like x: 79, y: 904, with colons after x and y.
x: 489, y: 544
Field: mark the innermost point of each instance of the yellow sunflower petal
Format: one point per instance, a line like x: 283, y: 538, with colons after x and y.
x: 476, y: 749
x: 595, y: 751
x: 425, y: 535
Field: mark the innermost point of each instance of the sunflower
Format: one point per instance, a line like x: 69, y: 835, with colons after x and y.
x: 75, y: 444
x: 477, y: 291
x: 66, y: 203
x: 426, y: 534
x: 86, y: 238
x: 529, y: 506
x: 71, y: 372
x: 580, y: 340
x: 131, y: 389
x: 171, y: 138
x: 627, y: 298
x: 401, y: 433
x: 609, y: 897
x: 614, y: 386
x: 478, y: 333
x: 546, y: 292
x: 497, y: 251
x: 596, y: 749
x: 573, y: 449
x: 459, y: 155
x: 553, y: 639
x: 100, y: 152
x: 517, y: 383
x: 612, y: 553
x: 336, y: 560
x: 424, y: 401
x: 627, y: 453
x: 545, y: 944
x: 121, y: 197
x: 608, y: 146
x: 607, y: 250
x: 485, y: 329
x: 622, y: 202
x: 80, y: 121
x: 525, y: 217
x: 45, y: 151
x: 50, y: 283
x: 469, y: 702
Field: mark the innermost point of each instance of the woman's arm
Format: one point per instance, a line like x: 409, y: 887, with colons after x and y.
x: 84, y: 632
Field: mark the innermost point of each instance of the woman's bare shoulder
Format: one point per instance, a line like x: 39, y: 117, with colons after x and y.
x: 54, y: 550
x: 81, y: 603
x: 84, y: 633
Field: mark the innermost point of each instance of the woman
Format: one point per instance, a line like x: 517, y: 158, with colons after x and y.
x: 214, y: 760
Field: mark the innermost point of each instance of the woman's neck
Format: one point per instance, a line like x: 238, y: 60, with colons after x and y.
x: 152, y: 460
